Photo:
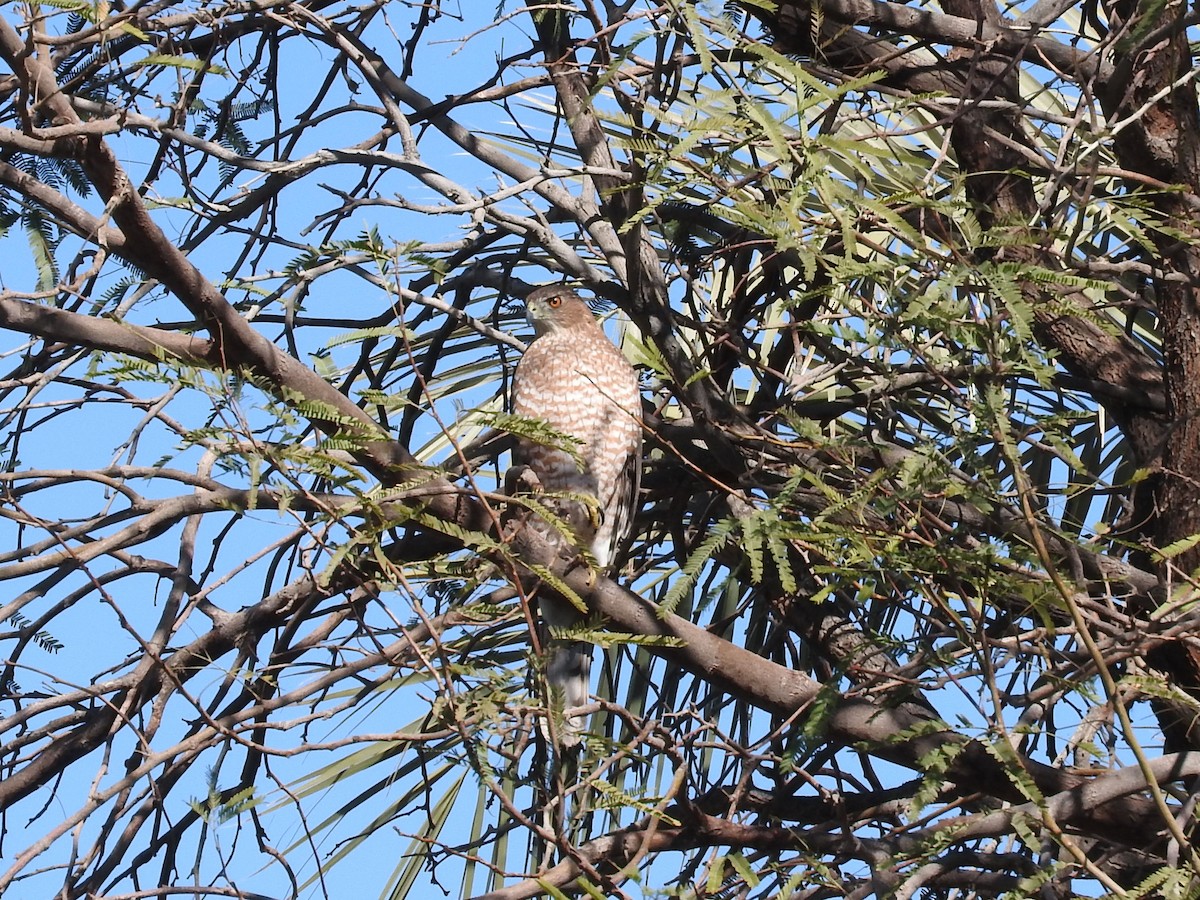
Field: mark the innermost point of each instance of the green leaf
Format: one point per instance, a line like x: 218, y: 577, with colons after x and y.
x: 180, y: 62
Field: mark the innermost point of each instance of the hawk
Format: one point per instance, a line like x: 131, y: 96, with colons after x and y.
x: 575, y: 380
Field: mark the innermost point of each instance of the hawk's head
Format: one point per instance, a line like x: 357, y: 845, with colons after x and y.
x: 553, y: 307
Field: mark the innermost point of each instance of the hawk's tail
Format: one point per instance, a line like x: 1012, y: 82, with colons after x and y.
x: 570, y: 676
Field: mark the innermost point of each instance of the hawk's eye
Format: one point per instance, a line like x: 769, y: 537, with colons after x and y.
x: 554, y: 302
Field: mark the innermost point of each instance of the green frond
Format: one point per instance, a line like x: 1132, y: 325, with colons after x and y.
x: 43, y: 242
x: 683, y: 585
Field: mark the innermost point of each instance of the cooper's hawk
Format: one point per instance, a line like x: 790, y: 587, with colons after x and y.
x: 575, y: 380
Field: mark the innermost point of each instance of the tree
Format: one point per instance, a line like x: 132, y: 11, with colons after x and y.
x: 911, y: 599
